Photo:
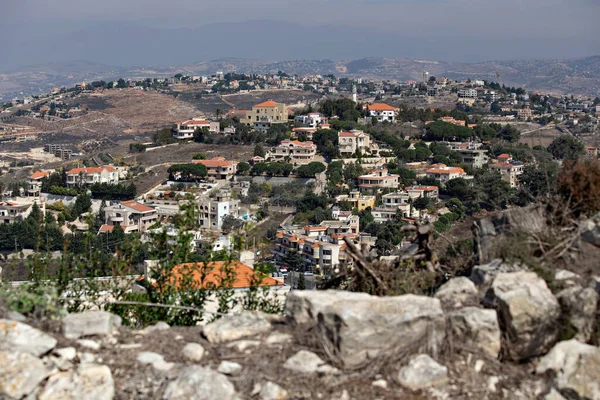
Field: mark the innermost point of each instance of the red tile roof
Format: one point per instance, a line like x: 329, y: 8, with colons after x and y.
x: 315, y: 228
x: 215, y: 273
x: 297, y: 143
x: 106, y: 228
x: 137, y: 206
x: 268, y: 103
x: 446, y: 170
x: 40, y: 174
x: 195, y: 122
x: 215, y: 162
x: 381, y: 107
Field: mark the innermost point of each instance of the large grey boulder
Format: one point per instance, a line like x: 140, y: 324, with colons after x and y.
x: 17, y: 336
x: 477, y: 329
x: 307, y: 362
x: 457, y: 293
x: 579, y: 305
x: 490, y: 233
x: 90, y: 323
x: 483, y: 275
x: 237, y: 326
x: 422, y: 372
x: 199, y: 383
x: 20, y: 373
x: 358, y: 327
x: 576, y: 368
x: 89, y: 382
x: 590, y: 230
x: 527, y: 311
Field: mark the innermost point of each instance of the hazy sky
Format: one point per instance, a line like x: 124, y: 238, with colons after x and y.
x: 473, y: 29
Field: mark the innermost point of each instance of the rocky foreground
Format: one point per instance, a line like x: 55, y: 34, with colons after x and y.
x: 500, y: 334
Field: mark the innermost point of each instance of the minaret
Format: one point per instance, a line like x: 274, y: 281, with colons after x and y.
x: 354, y: 98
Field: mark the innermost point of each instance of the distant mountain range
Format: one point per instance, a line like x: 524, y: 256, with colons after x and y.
x: 573, y: 76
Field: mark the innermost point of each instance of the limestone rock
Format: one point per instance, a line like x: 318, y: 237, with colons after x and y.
x: 590, y: 230
x: 579, y: 305
x: 457, y: 293
x: 159, y: 326
x: 90, y: 323
x: 566, y: 278
x: 229, y: 368
x: 17, y: 336
x: 156, y: 360
x: 67, y: 353
x: 89, y: 382
x: 576, y: 367
x: 483, y: 275
x: 89, y: 344
x: 193, y: 351
x: 527, y: 310
x: 278, y: 338
x: 238, y: 326
x: 491, y: 231
x: 307, y: 362
x: 477, y: 328
x: 422, y: 372
x: 244, y: 345
x: 199, y: 383
x: 360, y: 326
x: 272, y: 391
x: 20, y: 373
x: 380, y: 383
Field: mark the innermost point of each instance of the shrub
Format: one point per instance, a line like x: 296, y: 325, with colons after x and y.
x: 579, y: 186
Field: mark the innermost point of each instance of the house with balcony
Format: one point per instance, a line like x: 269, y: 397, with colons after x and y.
x: 383, y: 112
x: 34, y: 184
x: 311, y: 120
x: 357, y: 200
x: 429, y: 192
x: 130, y: 215
x: 293, y: 151
x: 185, y: 130
x: 91, y: 175
x: 353, y: 142
x: 213, y: 210
x: 11, y: 212
x: 266, y: 113
x: 381, y: 178
x: 443, y: 173
x: 509, y: 170
x: 219, y: 168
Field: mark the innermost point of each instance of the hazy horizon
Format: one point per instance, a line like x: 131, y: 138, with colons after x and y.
x: 154, y: 32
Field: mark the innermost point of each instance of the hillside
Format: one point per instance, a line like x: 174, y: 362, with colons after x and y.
x: 573, y: 76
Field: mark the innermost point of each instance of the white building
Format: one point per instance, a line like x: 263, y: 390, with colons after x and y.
x: 377, y: 180
x: 91, y: 175
x: 444, y: 173
x: 382, y: 112
x: 185, y: 129
x: 212, y: 211
x: 293, y: 151
x: 130, y: 215
x: 467, y: 93
x: 353, y: 142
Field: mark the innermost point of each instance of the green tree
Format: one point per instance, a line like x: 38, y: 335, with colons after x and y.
x: 243, y: 168
x: 301, y: 282
x: 83, y: 204
x: 566, y: 147
x: 259, y: 151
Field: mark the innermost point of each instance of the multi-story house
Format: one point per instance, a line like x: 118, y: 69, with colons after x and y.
x: 185, y: 129
x: 311, y: 120
x: 353, y: 142
x: 293, y: 151
x: 380, y: 179
x: 524, y: 113
x: 591, y: 152
x: 444, y: 173
x: 430, y: 192
x: 11, y: 212
x: 219, y: 168
x: 471, y: 153
x: 509, y: 170
x: 130, y: 215
x: 382, y: 112
x: 213, y: 210
x: 34, y: 185
x: 91, y: 175
x: 266, y: 113
x: 320, y: 246
x: 357, y: 200
x: 467, y: 93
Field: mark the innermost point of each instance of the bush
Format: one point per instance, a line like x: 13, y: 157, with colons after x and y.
x: 579, y: 187
x: 37, y: 301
